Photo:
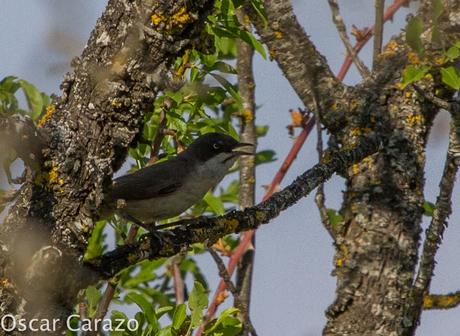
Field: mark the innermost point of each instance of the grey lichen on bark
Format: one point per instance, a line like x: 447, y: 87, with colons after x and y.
x: 96, y: 119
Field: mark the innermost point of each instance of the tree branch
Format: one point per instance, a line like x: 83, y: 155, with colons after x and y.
x: 390, y: 11
x: 435, y: 230
x: 303, y: 66
x: 378, y: 30
x: 204, y: 229
x: 342, y: 30
x: 247, y: 166
x: 441, y: 301
x: 244, y: 309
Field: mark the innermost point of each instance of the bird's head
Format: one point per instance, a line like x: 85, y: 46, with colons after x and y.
x: 217, y: 145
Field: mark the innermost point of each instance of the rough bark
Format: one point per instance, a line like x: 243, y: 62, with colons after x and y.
x: 97, y: 117
x: 247, y: 164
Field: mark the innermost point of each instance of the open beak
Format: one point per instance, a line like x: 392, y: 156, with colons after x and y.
x: 239, y: 152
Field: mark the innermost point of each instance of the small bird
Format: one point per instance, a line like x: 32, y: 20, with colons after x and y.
x: 167, y: 189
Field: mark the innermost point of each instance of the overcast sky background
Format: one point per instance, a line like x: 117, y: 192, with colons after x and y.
x: 292, y: 281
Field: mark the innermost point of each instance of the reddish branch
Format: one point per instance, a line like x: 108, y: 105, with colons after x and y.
x: 247, y: 236
x: 391, y: 10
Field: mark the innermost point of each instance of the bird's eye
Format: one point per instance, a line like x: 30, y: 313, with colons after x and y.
x: 215, y: 146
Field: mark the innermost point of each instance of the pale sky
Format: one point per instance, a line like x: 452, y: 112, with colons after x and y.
x: 292, y: 281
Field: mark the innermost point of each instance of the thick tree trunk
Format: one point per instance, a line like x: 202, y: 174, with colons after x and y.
x: 97, y: 117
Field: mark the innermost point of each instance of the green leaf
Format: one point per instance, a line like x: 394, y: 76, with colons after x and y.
x: 262, y: 130
x: 226, y: 324
x: 260, y: 10
x: 250, y: 39
x: 93, y: 295
x: 214, y: 203
x: 34, y: 98
x: 334, y: 218
x: 413, y: 73
x: 145, y: 306
x: 428, y: 208
x: 265, y: 156
x: 163, y: 310
x: 438, y: 8
x: 197, y: 301
x: 230, y: 89
x: 453, y: 53
x: 414, y: 30
x: 450, y: 77
x: 96, y: 242
x: 180, y: 314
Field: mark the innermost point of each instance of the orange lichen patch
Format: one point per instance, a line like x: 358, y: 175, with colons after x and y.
x: 53, y: 176
x: 408, y: 94
x: 157, y: 19
x: 181, y: 17
x: 278, y: 35
x: 414, y: 119
x: 6, y: 283
x: 441, y: 301
x: 247, y: 115
x: 413, y: 58
x: 390, y: 48
x: 357, y: 131
x: 355, y: 169
x: 221, y: 297
x: 50, y: 109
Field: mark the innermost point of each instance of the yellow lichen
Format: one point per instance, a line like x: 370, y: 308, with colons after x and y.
x: 339, y: 262
x: 278, y: 34
x: 247, y: 115
x: 427, y: 302
x: 50, y: 109
x: 390, y: 48
x: 157, y: 19
x: 355, y: 169
x: 260, y: 216
x: 439, y: 60
x: 360, y: 131
x: 53, y: 176
x: 116, y: 103
x: 413, y: 58
x: 408, y: 94
x: 414, y: 119
x: 181, y: 17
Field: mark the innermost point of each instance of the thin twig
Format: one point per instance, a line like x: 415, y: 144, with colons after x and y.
x: 247, y: 168
x: 378, y: 30
x: 441, y: 301
x: 178, y: 281
x: 231, y: 287
x: 436, y: 229
x: 390, y: 11
x: 342, y: 30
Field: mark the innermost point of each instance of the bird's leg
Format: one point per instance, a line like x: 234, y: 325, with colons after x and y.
x: 150, y: 227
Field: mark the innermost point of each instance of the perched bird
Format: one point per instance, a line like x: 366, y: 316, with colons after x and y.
x: 167, y: 189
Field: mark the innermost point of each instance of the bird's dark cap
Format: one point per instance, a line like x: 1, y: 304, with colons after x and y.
x: 212, y: 144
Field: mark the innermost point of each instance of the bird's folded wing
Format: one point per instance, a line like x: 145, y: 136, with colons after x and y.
x: 153, y: 181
